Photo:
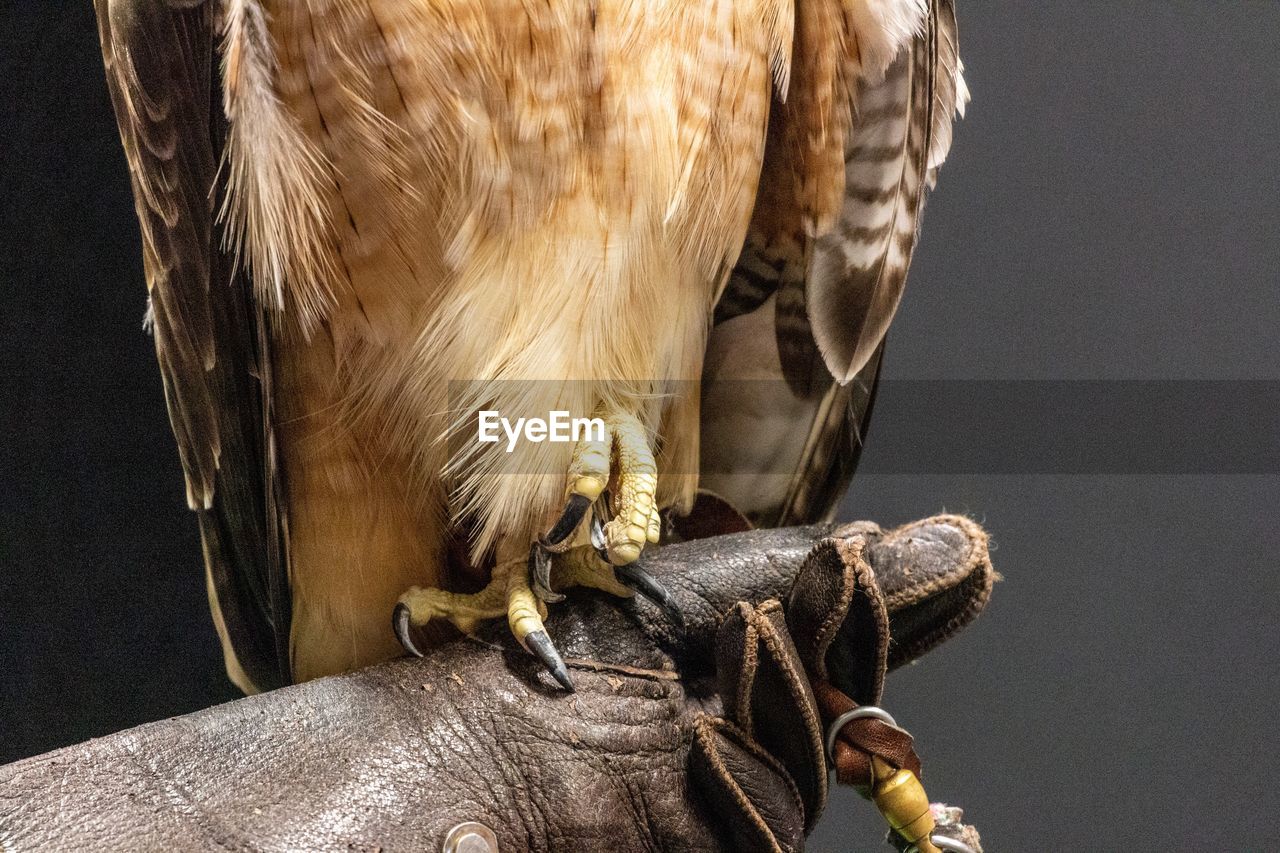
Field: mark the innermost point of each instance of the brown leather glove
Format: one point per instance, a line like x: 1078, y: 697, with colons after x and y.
x: 395, y: 756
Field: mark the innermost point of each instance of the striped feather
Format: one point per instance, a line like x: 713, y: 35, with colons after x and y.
x: 830, y: 298
x: 859, y: 268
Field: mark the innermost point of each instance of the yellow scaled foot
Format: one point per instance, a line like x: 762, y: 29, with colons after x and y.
x: 585, y: 566
x: 636, y: 520
x: 624, y: 457
x: 508, y: 593
x: 622, y: 462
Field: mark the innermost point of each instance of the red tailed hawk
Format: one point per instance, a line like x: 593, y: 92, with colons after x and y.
x: 366, y: 221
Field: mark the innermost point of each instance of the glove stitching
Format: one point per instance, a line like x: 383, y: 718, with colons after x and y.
x: 705, y: 729
x: 796, y: 681
x: 750, y: 664
x: 975, y: 537
x: 593, y: 665
x: 801, y: 696
x: 975, y: 607
x: 835, y: 618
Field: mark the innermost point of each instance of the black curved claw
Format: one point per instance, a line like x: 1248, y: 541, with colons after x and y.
x: 540, y: 644
x: 402, y: 624
x: 647, y: 585
x: 569, y: 520
x: 540, y: 574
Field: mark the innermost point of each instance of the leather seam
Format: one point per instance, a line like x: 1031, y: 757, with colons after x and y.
x: 831, y: 625
x: 735, y: 790
x: 797, y: 684
x: 978, y: 554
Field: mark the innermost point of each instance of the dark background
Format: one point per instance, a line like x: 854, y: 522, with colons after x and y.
x: 1109, y: 212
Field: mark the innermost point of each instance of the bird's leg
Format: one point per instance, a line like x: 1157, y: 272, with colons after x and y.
x: 618, y: 535
x: 636, y: 520
x: 508, y: 593
x: 522, y: 583
x: 586, y: 566
x: 465, y: 610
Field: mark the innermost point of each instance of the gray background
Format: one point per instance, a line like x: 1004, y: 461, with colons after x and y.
x: 1109, y: 212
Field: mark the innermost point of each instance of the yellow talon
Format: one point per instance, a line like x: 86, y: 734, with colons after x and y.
x: 508, y: 592
x: 582, y: 567
x: 464, y: 611
x: 621, y: 460
x: 589, y: 469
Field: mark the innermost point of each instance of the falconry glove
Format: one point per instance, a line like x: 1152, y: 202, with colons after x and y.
x: 702, y: 736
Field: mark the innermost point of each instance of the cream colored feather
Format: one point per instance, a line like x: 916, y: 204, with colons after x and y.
x: 274, y: 203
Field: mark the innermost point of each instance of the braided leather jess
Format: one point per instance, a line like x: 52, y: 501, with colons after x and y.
x: 860, y: 739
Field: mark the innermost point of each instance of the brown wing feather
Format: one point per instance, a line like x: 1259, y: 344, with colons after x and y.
x: 831, y: 298
x: 160, y: 58
x: 950, y: 94
x: 859, y: 268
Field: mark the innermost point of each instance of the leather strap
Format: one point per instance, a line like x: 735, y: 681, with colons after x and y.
x: 860, y: 739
